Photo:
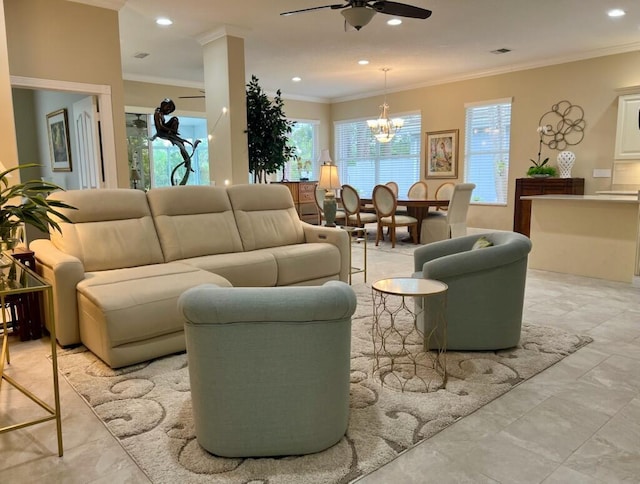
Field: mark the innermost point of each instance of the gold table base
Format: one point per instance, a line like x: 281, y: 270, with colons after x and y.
x: 26, y: 281
x: 402, y: 358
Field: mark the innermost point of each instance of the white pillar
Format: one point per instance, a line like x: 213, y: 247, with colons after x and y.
x: 224, y: 84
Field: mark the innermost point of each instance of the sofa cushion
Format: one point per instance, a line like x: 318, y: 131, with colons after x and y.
x: 257, y: 268
x: 112, y: 229
x: 135, y: 304
x: 193, y: 221
x: 319, y: 261
x: 265, y: 216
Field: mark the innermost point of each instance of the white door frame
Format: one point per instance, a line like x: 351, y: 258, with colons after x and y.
x: 103, y: 93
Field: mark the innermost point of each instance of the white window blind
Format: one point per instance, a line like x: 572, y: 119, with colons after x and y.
x: 364, y: 162
x: 487, y: 141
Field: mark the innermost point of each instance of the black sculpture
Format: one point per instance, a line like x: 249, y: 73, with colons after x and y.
x: 169, y: 130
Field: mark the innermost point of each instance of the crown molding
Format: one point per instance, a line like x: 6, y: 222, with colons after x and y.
x: 224, y: 31
x: 162, y: 80
x: 110, y: 4
x: 620, y: 49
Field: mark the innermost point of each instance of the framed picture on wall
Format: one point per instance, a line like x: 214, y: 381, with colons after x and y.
x: 442, y: 154
x: 58, y: 129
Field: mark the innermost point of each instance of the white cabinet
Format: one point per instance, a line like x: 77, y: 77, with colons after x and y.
x: 628, y: 128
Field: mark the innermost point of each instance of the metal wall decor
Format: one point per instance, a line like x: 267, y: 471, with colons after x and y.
x: 564, y: 126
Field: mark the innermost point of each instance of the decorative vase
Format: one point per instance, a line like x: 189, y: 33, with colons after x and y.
x: 566, y: 160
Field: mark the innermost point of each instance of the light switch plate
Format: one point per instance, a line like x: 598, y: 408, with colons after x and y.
x: 601, y: 173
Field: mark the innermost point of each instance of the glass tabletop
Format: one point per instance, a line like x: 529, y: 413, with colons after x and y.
x: 409, y: 286
x: 16, y: 278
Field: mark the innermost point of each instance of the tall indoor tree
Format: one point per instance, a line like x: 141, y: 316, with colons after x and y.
x: 268, y: 132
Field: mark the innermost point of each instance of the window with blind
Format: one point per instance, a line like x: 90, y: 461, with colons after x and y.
x: 486, y: 156
x: 364, y: 162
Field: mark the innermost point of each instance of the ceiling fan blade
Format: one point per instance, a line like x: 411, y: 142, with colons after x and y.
x: 190, y: 97
x: 332, y: 7
x: 400, y: 9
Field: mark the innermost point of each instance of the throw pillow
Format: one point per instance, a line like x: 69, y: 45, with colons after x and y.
x: 481, y: 243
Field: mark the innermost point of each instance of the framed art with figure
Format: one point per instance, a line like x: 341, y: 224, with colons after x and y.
x: 442, y: 154
x: 58, y: 129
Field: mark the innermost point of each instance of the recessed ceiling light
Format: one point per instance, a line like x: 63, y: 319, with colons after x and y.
x: 363, y: 62
x: 164, y: 21
x: 616, y: 12
x: 296, y: 79
x: 394, y: 21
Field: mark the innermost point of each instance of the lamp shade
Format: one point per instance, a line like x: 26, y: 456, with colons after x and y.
x: 329, y: 179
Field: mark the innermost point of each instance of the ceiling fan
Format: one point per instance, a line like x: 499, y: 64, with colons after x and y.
x: 359, y: 13
x: 137, y: 123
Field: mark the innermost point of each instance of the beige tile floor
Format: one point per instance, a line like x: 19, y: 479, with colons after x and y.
x: 576, y: 422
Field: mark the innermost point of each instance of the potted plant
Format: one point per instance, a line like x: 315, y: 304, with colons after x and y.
x: 33, y: 208
x: 268, y: 132
x: 540, y: 168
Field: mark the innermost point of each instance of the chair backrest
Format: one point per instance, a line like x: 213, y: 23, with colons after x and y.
x: 418, y: 191
x: 444, y: 192
x: 458, y: 208
x: 350, y: 200
x: 384, y: 201
x: 393, y: 186
x: 319, y: 198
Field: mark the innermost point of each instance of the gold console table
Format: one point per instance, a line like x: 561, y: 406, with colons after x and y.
x: 400, y: 347
x: 16, y: 279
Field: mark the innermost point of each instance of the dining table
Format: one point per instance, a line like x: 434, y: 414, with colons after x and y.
x: 416, y: 207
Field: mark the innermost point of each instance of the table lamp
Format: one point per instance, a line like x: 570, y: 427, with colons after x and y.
x: 329, y: 181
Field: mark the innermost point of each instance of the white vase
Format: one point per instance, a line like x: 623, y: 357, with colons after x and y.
x: 566, y: 160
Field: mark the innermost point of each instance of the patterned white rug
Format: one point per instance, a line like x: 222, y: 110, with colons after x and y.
x: 148, y: 408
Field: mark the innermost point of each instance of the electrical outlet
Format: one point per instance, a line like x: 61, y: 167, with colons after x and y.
x: 601, y: 173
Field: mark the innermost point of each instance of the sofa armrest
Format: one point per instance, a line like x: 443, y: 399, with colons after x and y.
x: 334, y: 236
x: 63, y: 272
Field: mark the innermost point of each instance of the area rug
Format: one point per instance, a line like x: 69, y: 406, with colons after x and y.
x: 148, y: 408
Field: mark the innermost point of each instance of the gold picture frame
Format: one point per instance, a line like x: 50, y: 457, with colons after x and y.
x: 441, y: 153
x: 59, y: 147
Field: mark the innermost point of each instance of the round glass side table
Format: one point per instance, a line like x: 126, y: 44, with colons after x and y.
x: 402, y: 358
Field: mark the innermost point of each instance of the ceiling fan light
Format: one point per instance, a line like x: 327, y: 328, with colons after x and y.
x: 358, y: 17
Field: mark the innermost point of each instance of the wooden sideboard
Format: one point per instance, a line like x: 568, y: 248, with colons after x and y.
x: 540, y: 186
x: 303, y: 193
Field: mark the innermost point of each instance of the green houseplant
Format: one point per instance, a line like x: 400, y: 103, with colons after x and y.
x: 540, y: 168
x: 268, y: 132
x: 26, y: 203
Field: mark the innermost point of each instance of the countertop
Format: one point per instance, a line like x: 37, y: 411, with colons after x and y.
x: 587, y: 198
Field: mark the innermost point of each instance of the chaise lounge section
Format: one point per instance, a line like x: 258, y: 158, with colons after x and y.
x: 117, y: 271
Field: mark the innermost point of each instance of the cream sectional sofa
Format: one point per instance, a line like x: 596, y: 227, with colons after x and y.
x: 119, y: 268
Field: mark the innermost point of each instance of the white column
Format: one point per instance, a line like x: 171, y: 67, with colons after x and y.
x: 224, y: 84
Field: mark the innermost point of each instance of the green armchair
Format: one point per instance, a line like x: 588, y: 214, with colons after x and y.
x: 486, y: 289
x: 269, y: 367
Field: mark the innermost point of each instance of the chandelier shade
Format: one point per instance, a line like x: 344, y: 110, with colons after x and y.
x: 385, y: 128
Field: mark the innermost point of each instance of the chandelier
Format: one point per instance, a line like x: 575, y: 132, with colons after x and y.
x: 385, y: 128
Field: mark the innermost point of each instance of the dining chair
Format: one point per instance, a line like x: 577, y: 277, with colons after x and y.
x: 351, y: 207
x: 385, y: 202
x: 440, y: 226
x: 394, y: 187
x: 319, y: 199
x: 419, y: 190
x: 444, y: 192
